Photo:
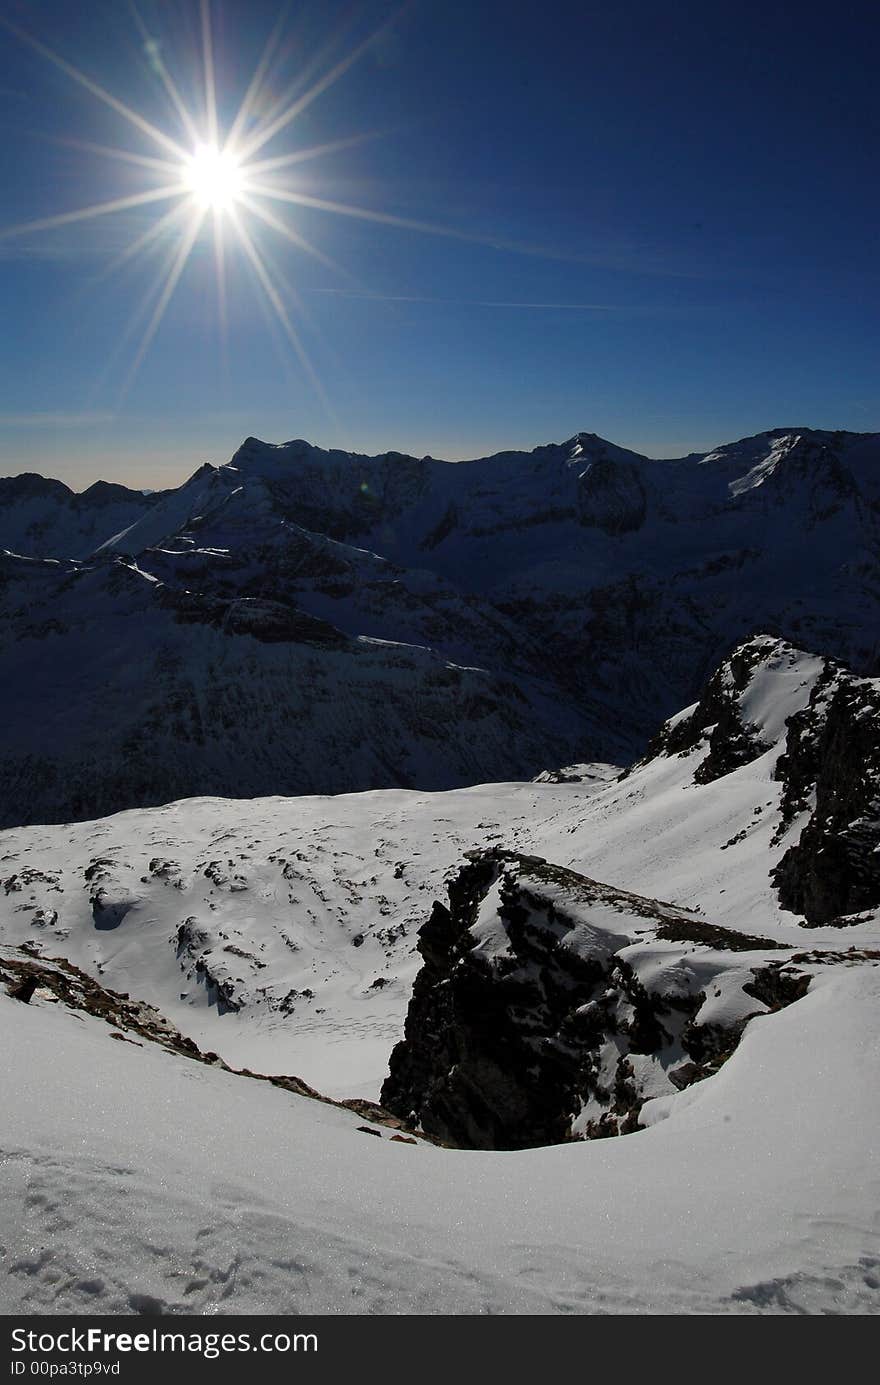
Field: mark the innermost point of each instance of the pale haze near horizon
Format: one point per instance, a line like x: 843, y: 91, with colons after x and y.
x: 95, y: 456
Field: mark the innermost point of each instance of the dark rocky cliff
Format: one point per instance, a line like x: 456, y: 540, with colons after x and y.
x: 550, y: 1007
x: 832, y: 756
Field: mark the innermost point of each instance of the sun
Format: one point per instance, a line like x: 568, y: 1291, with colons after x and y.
x: 214, y: 177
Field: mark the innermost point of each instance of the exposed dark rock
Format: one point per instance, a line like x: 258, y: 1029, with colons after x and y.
x: 194, y: 947
x: 442, y: 530
x: 812, y: 469
x: 109, y: 900
x: 221, y: 990
x: 711, y: 935
x: 529, y: 1023
x: 371, y: 1110
x: 273, y: 621
x: 717, y: 717
x: 23, y: 990
x: 778, y: 984
x: 611, y: 496
x: 829, y: 769
x: 798, y: 766
x: 110, y: 907
x: 833, y: 750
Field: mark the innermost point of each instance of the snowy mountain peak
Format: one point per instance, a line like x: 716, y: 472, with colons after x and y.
x: 589, y: 446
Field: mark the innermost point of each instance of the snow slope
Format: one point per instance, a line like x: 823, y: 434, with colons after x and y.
x: 136, y: 1181
x: 44, y: 519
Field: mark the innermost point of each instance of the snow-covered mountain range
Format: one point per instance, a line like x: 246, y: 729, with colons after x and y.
x: 305, y: 621
x: 585, y: 843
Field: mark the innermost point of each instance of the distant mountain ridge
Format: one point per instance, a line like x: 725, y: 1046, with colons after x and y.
x: 303, y: 620
x: 347, y: 494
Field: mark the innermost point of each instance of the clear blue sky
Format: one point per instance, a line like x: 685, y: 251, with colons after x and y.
x: 674, y: 208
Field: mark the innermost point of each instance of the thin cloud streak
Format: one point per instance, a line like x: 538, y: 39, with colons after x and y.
x: 479, y: 302
x: 54, y: 420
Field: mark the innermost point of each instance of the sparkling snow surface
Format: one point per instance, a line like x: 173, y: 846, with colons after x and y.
x: 137, y: 1181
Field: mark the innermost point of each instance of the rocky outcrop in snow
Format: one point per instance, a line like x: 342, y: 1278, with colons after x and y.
x: 832, y: 759
x: 720, y: 719
x: 825, y: 724
x: 550, y: 1007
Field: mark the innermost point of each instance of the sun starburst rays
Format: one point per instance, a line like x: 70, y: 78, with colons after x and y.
x: 178, y: 264
x: 216, y: 182
x: 208, y: 177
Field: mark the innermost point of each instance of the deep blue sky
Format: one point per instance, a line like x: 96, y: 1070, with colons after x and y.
x: 705, y: 174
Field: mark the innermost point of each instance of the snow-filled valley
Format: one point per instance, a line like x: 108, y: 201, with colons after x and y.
x: 370, y: 943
